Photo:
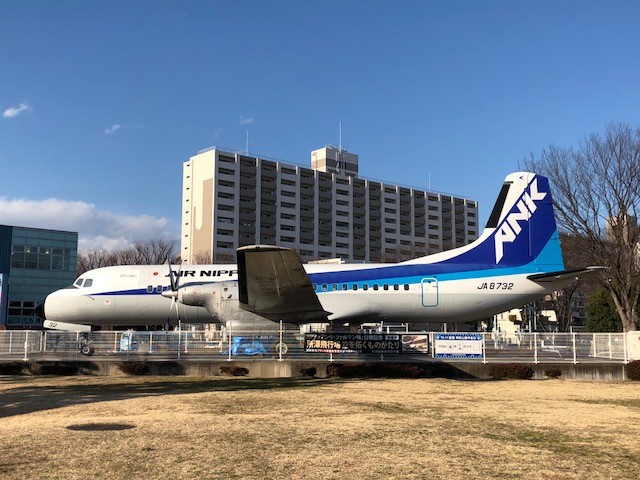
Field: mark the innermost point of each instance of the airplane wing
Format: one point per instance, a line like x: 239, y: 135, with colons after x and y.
x: 272, y: 283
x: 563, y: 274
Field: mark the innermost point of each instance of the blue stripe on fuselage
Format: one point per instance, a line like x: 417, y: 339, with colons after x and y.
x: 413, y: 273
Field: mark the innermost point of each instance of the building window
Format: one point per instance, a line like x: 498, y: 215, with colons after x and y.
x: 39, y: 258
x: 21, y: 309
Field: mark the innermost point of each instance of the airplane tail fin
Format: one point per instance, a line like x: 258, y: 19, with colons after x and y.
x: 521, y: 230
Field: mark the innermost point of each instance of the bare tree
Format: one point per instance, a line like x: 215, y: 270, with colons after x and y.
x: 564, y: 301
x: 151, y: 252
x: 202, y: 257
x: 596, y: 190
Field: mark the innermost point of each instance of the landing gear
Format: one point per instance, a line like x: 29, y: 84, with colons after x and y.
x: 87, y: 350
x: 85, y: 347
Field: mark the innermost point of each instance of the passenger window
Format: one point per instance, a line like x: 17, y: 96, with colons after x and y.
x: 385, y: 286
x: 149, y: 288
x: 345, y: 286
x: 406, y: 286
x: 375, y: 286
x: 355, y: 286
x: 396, y: 286
x: 365, y: 286
x: 314, y: 286
x: 334, y: 287
x: 159, y: 289
x: 324, y: 287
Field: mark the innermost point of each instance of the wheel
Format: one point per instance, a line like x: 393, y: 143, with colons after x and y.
x: 86, y: 350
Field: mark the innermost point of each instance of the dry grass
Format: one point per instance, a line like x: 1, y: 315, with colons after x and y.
x: 160, y: 427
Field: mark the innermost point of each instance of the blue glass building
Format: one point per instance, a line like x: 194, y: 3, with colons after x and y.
x: 33, y: 263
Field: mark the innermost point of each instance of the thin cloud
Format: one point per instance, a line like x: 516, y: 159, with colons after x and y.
x: 113, y: 129
x: 246, y: 121
x: 97, y: 229
x: 118, y: 126
x: 15, y: 111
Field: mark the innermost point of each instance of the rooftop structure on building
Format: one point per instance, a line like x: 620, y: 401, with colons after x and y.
x: 232, y: 199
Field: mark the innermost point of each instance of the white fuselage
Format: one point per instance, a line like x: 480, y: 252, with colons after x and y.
x: 131, y: 295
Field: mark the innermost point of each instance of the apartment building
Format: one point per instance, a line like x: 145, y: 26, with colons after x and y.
x: 231, y: 199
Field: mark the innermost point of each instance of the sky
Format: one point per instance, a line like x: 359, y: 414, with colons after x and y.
x: 102, y: 102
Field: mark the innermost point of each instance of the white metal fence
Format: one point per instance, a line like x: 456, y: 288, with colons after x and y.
x: 288, y: 343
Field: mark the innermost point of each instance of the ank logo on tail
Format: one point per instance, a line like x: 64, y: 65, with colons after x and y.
x: 509, y: 229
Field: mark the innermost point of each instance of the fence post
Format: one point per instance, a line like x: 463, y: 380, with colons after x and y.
x: 573, y: 341
x: 625, y: 337
x: 484, y: 348
x: 280, y: 344
x: 26, y: 343
x: 610, y: 348
x: 535, y: 348
x: 43, y: 342
x: 230, y: 335
x: 433, y: 345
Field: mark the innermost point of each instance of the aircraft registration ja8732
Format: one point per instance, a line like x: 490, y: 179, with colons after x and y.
x: 516, y: 260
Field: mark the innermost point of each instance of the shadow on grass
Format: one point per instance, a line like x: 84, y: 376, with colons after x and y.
x: 28, y: 399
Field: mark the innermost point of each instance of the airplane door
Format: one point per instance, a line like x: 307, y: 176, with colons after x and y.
x: 429, y: 292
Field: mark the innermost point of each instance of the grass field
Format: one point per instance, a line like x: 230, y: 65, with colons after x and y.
x: 184, y: 428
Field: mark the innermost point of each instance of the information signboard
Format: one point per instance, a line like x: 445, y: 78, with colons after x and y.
x: 458, y: 345
x: 352, y: 343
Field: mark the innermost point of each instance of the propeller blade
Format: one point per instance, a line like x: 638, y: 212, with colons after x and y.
x: 174, y: 280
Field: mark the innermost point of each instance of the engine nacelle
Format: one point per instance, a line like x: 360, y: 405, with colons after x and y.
x: 200, y: 295
x: 221, y: 301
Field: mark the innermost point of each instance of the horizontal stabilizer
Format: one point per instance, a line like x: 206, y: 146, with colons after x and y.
x: 272, y: 283
x: 563, y: 274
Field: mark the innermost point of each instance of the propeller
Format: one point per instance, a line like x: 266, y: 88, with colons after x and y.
x: 174, y: 282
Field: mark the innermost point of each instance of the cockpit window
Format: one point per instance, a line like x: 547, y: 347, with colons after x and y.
x: 88, y: 282
x: 79, y: 282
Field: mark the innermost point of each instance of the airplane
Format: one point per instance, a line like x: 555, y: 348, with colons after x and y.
x: 516, y: 260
